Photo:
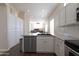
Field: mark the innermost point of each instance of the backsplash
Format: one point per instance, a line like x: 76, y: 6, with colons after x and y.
x: 72, y: 31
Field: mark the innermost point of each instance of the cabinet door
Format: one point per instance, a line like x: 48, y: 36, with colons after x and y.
x: 57, y: 50
x: 56, y: 18
x: 51, y: 44
x: 45, y: 44
x: 71, y: 13
x: 61, y: 22
x: 77, y: 4
x: 61, y: 48
x: 62, y: 17
x: 56, y: 24
x: 41, y: 44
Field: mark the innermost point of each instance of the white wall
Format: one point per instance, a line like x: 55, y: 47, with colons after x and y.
x: 19, y: 28
x: 52, y: 27
x: 11, y: 28
x: 3, y: 28
x: 73, y: 31
x: 26, y: 25
x: 47, y: 26
x: 14, y: 28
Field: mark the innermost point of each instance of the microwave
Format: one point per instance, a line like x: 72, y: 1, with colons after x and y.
x: 77, y: 14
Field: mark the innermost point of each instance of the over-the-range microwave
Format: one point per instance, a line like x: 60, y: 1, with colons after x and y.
x: 77, y: 14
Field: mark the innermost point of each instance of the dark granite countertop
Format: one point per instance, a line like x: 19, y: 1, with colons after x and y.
x: 39, y: 35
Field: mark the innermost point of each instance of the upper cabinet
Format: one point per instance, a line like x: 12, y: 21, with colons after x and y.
x: 71, y: 13
x: 68, y: 15
x: 56, y: 25
x: 62, y: 17
x: 56, y: 18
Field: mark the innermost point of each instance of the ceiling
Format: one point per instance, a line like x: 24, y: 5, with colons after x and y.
x: 36, y: 11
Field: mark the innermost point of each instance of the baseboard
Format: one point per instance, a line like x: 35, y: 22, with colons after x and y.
x: 6, y: 50
x: 43, y: 52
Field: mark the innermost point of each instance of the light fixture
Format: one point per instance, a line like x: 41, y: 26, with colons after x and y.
x: 65, y: 3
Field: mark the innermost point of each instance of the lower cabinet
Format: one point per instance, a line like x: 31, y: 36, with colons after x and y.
x: 29, y: 44
x: 59, y: 47
x: 44, y: 44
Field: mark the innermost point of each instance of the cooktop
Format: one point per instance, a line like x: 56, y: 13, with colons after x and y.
x: 74, y: 44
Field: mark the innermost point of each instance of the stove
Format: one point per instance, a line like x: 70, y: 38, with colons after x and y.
x: 73, y: 47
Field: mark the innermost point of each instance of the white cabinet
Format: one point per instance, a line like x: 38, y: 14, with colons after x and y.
x: 51, y: 44
x: 59, y: 47
x: 71, y: 13
x: 56, y: 25
x: 62, y: 17
x: 56, y: 18
x: 61, y: 22
x: 44, y: 44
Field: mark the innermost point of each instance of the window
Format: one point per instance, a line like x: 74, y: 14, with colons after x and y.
x: 52, y: 26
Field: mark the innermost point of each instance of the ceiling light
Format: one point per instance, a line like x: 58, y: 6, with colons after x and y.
x: 65, y: 3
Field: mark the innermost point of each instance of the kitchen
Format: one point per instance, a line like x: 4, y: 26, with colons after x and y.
x: 53, y: 32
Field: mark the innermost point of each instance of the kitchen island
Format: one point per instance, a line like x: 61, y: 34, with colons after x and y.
x: 32, y: 43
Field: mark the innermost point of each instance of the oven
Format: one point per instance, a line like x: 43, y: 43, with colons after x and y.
x: 77, y: 14
x: 72, y: 48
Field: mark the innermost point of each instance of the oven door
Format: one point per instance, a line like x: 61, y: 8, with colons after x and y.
x: 70, y: 52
